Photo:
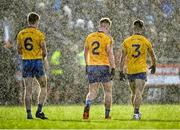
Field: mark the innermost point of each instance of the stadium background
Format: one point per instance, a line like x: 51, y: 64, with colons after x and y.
x: 66, y: 23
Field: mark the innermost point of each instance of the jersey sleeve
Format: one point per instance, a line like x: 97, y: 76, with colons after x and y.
x: 123, y: 45
x: 148, y: 43
x: 18, y: 39
x: 86, y: 42
x: 109, y: 40
x: 42, y: 38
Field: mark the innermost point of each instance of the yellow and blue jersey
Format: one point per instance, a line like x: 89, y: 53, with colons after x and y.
x: 97, y: 43
x: 136, y: 47
x: 30, y: 41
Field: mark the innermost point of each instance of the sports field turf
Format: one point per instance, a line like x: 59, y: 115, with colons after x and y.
x: 153, y: 116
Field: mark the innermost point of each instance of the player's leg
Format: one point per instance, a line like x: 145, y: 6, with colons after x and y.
x: 40, y: 75
x: 105, y: 78
x: 27, y: 96
x: 132, y: 88
x: 139, y: 88
x: 93, y: 88
x: 41, y: 96
x: 107, y: 98
x: 27, y: 81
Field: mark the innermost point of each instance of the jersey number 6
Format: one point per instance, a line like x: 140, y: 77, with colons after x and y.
x: 28, y: 44
x: 95, y: 45
x: 137, y: 47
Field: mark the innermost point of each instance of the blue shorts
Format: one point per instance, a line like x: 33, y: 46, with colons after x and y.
x: 132, y: 77
x: 99, y: 73
x: 32, y: 68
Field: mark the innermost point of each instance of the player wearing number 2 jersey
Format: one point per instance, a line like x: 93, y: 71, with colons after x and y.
x: 135, y: 49
x: 32, y: 48
x: 100, y: 65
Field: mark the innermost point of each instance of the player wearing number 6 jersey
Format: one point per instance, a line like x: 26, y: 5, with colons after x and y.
x: 32, y: 48
x: 100, y: 65
x: 135, y: 49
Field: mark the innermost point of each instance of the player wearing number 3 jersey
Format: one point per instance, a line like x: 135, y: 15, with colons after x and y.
x: 134, y: 54
x: 100, y: 65
x: 32, y: 48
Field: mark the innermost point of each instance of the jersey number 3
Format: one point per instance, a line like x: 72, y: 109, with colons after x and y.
x: 28, y: 44
x: 95, y: 45
x: 138, y: 53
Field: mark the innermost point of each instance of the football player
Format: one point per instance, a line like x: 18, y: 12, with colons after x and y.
x: 32, y: 48
x: 100, y: 65
x: 134, y: 54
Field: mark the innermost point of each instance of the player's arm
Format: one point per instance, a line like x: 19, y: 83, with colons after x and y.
x: 8, y: 44
x: 44, y: 50
x: 44, y: 54
x: 111, y: 55
x: 111, y: 59
x: 19, y: 47
x: 86, y: 49
x: 122, y: 61
x: 153, y: 60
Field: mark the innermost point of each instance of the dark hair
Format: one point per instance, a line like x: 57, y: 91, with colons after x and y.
x: 138, y: 23
x: 33, y: 18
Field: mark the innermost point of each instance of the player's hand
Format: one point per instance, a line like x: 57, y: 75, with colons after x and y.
x: 8, y: 44
x: 153, y: 69
x: 122, y: 76
x: 112, y: 73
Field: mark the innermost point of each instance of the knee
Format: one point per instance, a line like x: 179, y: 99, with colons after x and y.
x: 138, y: 95
x: 43, y: 84
x: 108, y: 92
x: 92, y: 94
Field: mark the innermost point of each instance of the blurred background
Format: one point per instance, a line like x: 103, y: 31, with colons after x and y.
x: 66, y: 23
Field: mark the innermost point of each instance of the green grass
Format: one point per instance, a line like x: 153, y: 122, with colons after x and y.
x: 153, y: 116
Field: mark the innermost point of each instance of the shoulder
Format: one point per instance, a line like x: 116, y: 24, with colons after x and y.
x: 145, y: 39
x: 91, y: 35
x: 40, y: 32
x: 21, y: 32
x: 109, y: 38
x: 128, y: 39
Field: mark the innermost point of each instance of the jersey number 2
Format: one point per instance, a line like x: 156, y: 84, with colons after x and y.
x: 95, y: 45
x: 28, y: 44
x: 137, y: 47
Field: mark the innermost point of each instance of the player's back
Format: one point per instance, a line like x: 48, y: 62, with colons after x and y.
x: 136, y: 47
x: 97, y: 43
x: 30, y: 40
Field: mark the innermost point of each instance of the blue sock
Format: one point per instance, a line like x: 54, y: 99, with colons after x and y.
x: 136, y: 111
x: 28, y: 112
x: 39, y: 107
x: 88, y: 103
x: 107, y: 111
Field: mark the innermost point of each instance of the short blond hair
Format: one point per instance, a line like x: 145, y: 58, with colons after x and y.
x: 106, y: 20
x: 33, y: 17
